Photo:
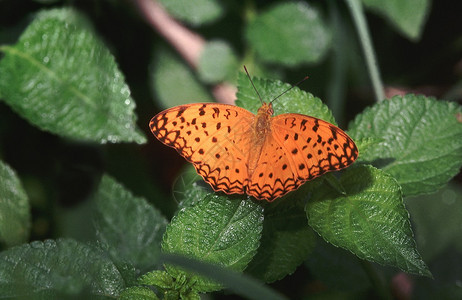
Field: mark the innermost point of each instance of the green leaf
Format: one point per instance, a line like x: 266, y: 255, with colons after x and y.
x: 294, y: 101
x: 134, y: 235
x: 58, y: 267
x: 138, y: 293
x: 365, y: 143
x: 157, y: 278
x: 217, y: 63
x: 289, y: 34
x: 14, y: 208
x: 190, y: 295
x: 407, y: 16
x: 217, y: 229
x: 173, y: 82
x: 189, y: 187
x: 437, y: 220
x: 61, y: 78
x: 370, y: 220
x: 197, y: 12
x: 421, y: 141
x: 286, y: 242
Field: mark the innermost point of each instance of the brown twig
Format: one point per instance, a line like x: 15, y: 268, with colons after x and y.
x: 188, y: 43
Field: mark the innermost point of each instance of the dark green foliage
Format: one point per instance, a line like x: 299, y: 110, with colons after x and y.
x: 347, y: 233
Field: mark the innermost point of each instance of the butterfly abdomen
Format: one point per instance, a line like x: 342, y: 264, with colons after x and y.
x: 261, y: 129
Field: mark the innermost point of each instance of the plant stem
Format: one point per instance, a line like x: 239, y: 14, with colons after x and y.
x: 359, y: 19
x: 188, y: 43
x: 336, y: 86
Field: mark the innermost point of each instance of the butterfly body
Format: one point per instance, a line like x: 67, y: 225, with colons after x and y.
x: 261, y: 155
x: 261, y: 129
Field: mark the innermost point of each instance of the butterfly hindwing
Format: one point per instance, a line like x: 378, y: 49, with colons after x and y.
x: 299, y: 149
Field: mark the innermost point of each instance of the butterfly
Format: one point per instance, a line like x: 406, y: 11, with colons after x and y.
x: 264, y: 156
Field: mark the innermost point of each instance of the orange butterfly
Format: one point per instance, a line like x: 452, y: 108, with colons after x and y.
x: 238, y: 152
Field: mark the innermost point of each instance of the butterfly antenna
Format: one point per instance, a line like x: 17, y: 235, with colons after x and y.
x: 297, y: 84
x: 248, y: 75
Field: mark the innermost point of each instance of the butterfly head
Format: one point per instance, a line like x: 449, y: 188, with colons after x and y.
x: 266, y: 109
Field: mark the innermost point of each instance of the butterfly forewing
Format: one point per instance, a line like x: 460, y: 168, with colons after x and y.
x: 214, y: 137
